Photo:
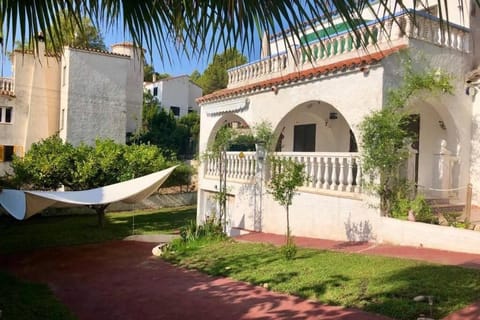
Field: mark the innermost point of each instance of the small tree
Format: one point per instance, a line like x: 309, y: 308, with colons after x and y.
x: 287, y: 176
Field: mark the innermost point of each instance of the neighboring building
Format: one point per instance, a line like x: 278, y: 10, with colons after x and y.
x: 176, y: 94
x: 315, y: 108
x: 82, y: 95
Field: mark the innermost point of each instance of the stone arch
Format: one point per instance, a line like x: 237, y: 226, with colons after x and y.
x: 438, y: 135
x: 332, y: 131
x: 230, y: 119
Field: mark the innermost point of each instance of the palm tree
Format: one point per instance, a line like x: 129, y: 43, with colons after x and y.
x: 195, y: 26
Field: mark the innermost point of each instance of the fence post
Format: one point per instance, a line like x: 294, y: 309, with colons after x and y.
x: 468, y: 203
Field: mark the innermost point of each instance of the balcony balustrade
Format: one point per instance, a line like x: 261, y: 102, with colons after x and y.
x: 332, y: 171
x: 7, y: 86
x: 343, y: 46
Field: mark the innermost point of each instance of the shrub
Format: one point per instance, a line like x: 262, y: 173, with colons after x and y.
x: 289, y: 250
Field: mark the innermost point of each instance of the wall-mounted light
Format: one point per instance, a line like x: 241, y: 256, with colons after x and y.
x: 442, y: 124
x: 333, y: 116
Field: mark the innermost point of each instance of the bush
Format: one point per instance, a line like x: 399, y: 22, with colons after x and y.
x: 181, y: 176
x: 211, y: 229
x: 290, y: 249
x: 423, y: 212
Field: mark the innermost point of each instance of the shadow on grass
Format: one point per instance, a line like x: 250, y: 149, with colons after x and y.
x: 53, y: 231
x: 154, y: 221
x: 452, y: 288
x: 376, y: 284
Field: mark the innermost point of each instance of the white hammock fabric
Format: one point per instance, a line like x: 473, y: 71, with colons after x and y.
x: 23, y: 204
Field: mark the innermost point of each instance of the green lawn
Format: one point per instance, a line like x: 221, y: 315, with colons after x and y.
x: 381, y: 285
x: 23, y: 300
x: 41, y: 232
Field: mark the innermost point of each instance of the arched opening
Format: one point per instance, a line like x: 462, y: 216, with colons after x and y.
x: 315, y: 126
x: 244, y: 138
x: 435, y: 150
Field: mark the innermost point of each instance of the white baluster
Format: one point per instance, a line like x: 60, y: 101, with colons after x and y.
x: 341, y: 175
x: 311, y: 175
x: 321, y: 164
x: 350, y: 174
x: 357, y: 176
x: 333, y: 185
x: 326, y: 175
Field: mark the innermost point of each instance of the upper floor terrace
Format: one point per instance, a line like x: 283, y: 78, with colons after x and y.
x: 331, y: 51
x: 7, y: 86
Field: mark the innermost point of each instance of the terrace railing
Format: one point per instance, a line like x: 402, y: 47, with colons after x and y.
x: 6, y: 86
x: 342, y: 46
x: 326, y: 171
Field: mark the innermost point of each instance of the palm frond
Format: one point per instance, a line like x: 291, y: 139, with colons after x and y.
x: 197, y: 27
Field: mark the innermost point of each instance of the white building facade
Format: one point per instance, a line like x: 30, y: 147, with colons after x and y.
x: 315, y: 107
x: 176, y: 94
x: 83, y: 95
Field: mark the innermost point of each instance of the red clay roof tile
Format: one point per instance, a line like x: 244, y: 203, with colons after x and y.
x: 297, y: 76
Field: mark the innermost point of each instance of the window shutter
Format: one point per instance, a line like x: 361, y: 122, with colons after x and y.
x: 18, y: 151
x: 2, y: 149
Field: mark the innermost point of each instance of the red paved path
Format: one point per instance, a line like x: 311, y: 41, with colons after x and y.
x: 436, y: 256
x: 121, y: 280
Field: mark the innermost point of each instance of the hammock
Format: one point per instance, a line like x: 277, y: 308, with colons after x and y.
x: 23, y: 204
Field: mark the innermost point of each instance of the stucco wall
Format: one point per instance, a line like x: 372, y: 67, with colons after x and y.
x: 96, y: 96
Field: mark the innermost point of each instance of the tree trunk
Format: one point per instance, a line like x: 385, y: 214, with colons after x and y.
x: 100, y: 210
x: 288, y: 224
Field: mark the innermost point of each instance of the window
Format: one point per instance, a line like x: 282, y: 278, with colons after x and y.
x: 175, y: 110
x: 6, y: 153
x: 6, y: 114
x: 155, y: 91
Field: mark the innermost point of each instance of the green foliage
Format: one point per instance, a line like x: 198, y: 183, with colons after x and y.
x: 215, y: 77
x: 211, y: 230
x: 418, y: 205
x: 195, y: 76
x: 22, y: 300
x: 263, y: 132
x: 372, y: 283
x: 40, y: 232
x: 289, y: 250
x: 287, y: 176
x: 423, y: 212
x: 181, y: 176
x: 80, y: 34
x: 385, y: 136
x: 242, y: 142
x: 52, y: 163
x: 161, y: 128
x: 149, y: 72
x: 46, y: 166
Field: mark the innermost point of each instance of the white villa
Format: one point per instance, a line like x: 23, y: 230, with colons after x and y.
x: 176, y: 94
x: 315, y: 108
x: 82, y: 95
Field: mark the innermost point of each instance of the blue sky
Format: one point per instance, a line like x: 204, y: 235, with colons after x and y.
x: 179, y: 64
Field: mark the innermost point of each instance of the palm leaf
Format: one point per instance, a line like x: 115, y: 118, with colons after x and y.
x: 196, y: 27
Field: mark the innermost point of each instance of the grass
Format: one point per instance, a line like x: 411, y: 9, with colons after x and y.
x: 43, y: 232
x: 376, y: 284
x: 24, y: 300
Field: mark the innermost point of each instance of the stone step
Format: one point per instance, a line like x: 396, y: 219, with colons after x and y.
x: 441, y: 208
x: 437, y: 201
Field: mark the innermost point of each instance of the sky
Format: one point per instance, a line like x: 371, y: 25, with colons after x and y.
x: 179, y: 64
